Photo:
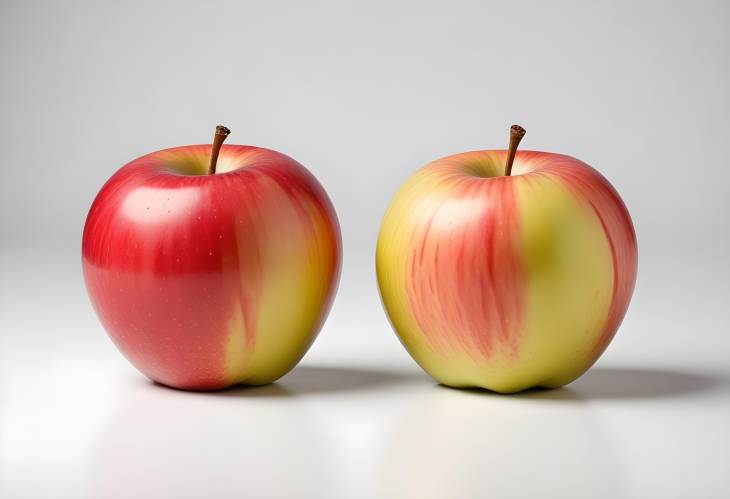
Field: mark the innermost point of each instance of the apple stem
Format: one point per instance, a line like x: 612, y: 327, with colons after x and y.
x: 221, y: 133
x: 516, y: 132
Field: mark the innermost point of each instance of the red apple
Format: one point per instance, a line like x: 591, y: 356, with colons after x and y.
x: 212, y: 265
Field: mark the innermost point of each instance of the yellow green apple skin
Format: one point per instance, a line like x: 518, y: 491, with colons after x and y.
x: 506, y: 282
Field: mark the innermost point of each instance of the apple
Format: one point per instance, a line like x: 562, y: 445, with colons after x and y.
x: 212, y: 265
x: 506, y: 270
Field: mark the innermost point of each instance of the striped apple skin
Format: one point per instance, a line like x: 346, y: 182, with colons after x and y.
x: 205, y: 281
x: 506, y: 283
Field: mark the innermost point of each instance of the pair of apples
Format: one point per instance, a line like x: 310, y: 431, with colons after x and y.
x: 215, y: 265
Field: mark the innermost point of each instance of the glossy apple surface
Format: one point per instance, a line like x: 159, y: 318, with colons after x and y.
x: 506, y: 282
x: 204, y: 281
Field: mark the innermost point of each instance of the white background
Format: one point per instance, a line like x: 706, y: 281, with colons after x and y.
x: 364, y: 93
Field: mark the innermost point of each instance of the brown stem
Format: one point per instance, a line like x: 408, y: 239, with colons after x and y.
x: 516, y: 132
x: 221, y: 133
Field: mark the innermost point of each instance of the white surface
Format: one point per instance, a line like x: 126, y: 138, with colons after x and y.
x: 357, y: 418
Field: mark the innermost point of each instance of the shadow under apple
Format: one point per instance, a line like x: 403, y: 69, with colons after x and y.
x: 627, y: 383
x: 309, y: 380
x: 606, y: 383
x: 599, y: 383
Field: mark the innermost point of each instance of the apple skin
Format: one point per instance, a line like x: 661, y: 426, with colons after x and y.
x: 205, y: 281
x: 506, y: 282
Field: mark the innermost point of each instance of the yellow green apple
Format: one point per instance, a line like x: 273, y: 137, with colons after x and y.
x: 506, y: 269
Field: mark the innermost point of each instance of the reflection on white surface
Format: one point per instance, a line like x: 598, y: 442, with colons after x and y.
x: 453, y: 443
x: 311, y: 433
x: 100, y: 430
x: 163, y: 443
x: 51, y: 412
